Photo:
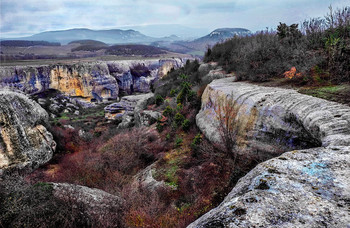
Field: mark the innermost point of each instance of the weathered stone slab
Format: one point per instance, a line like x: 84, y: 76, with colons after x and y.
x: 24, y: 141
x: 305, y: 188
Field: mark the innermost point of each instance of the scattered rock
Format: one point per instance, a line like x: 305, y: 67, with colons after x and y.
x: 147, y: 117
x: 72, y: 106
x: 218, y: 74
x: 41, y: 101
x: 55, y: 108
x: 126, y: 105
x: 127, y: 121
x: 69, y: 127
x: 81, y: 133
x: 145, y: 179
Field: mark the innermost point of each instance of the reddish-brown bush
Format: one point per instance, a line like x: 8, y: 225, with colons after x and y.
x: 108, y: 165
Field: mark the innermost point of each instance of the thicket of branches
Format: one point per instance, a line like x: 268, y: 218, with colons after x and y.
x: 319, y: 46
x: 25, y: 205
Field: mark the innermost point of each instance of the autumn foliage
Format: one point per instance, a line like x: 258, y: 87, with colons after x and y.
x: 292, y: 73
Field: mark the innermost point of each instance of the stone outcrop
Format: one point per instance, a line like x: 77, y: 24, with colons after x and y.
x: 24, y: 141
x: 130, y: 111
x: 96, y: 203
x: 147, y: 117
x: 145, y: 180
x: 218, y: 73
x: 94, y: 80
x: 301, y: 188
x: 138, y: 76
x: 271, y: 118
x: 212, y: 71
x: 126, y: 105
x: 305, y: 188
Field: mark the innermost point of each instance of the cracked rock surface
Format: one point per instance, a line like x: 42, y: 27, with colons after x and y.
x: 305, y: 188
x: 24, y: 141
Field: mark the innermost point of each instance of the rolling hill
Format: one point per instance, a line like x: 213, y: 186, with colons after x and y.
x: 198, y: 46
x: 223, y: 34
x: 113, y: 36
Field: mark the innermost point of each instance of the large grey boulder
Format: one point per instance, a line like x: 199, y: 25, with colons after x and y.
x: 130, y: 111
x: 306, y: 188
x: 24, y: 141
x: 271, y: 118
x: 96, y: 203
x: 126, y: 105
x: 146, y: 117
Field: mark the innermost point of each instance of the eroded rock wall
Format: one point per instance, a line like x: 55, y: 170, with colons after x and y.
x: 87, y: 80
x: 24, y: 141
x: 94, y: 80
x: 138, y: 76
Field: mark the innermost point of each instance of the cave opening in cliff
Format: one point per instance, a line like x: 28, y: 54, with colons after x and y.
x: 106, y: 93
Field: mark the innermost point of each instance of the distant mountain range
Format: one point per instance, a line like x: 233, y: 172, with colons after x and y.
x: 199, y: 46
x: 130, y: 36
x: 113, y: 36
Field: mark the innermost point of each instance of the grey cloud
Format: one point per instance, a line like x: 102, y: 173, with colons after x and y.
x: 218, y: 7
x: 23, y: 16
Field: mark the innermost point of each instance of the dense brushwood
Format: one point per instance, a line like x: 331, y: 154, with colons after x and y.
x: 134, y: 49
x: 321, y: 44
x: 26, y: 43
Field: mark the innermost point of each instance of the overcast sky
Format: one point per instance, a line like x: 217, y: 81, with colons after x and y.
x: 26, y: 17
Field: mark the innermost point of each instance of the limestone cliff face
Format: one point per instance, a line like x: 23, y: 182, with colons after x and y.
x: 24, y: 141
x: 95, y: 80
x: 87, y: 80
x: 167, y: 64
x: 301, y: 188
x: 138, y: 76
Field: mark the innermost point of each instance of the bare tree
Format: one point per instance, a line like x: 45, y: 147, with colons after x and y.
x: 226, y: 112
x: 233, y: 131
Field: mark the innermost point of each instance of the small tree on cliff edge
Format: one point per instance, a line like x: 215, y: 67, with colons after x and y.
x: 226, y: 113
